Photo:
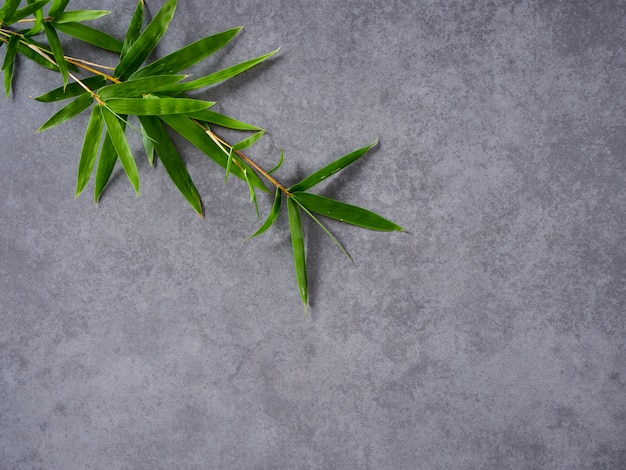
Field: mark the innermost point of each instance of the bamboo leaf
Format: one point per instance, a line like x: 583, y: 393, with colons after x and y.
x: 271, y: 218
x: 229, y: 163
x: 34, y: 56
x: 188, y: 55
x: 8, y: 9
x: 134, y: 28
x: 280, y: 162
x: 325, y: 229
x: 139, y: 87
x: 9, y: 62
x: 72, y: 89
x: 154, y: 107
x: 27, y: 10
x: 252, y: 193
x: 245, y: 143
x: 68, y: 111
x: 116, y: 132
x: 148, y: 145
x: 76, y: 16
x: 223, y: 121
x: 90, y: 149
x: 146, y: 42
x: 90, y: 35
x: 172, y: 161
x: 57, y: 7
x: 106, y: 163
x: 345, y: 212
x: 192, y: 132
x: 330, y: 169
x: 297, y: 242
x: 220, y: 76
x: 57, y: 50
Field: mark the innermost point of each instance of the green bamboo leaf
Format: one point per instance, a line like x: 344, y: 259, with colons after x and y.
x: 148, y: 145
x: 8, y: 9
x: 229, y: 164
x: 68, y: 111
x: 72, y: 89
x: 34, y: 56
x: 172, y: 161
x: 154, y: 107
x: 345, y: 212
x: 245, y: 143
x: 134, y: 28
x: 136, y: 88
x: 271, y: 218
x: 57, y: 50
x: 90, y: 36
x: 57, y: 7
x: 325, y: 229
x: 252, y: 193
x: 280, y: 162
x: 90, y: 149
x: 38, y: 24
x: 146, y: 42
x: 116, y: 132
x: 31, y: 8
x: 76, y: 16
x: 220, y: 76
x: 297, y: 242
x: 106, y: 163
x: 330, y: 169
x: 223, y: 121
x: 188, y: 55
x: 192, y: 132
x: 9, y: 62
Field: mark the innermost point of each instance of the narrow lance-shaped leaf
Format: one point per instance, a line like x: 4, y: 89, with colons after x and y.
x: 220, y: 76
x: 154, y: 107
x: 148, y: 145
x: 146, y: 42
x: 330, y: 169
x: 116, y: 132
x: 280, y: 162
x: 9, y: 62
x: 252, y: 193
x: 172, y: 161
x: 134, y: 28
x: 139, y: 87
x: 57, y: 50
x: 345, y: 212
x: 8, y: 9
x: 273, y: 215
x: 57, y: 6
x: 299, y: 257
x: 38, y: 24
x: 245, y: 143
x: 188, y: 55
x: 325, y: 229
x: 91, y: 143
x: 22, y: 13
x: 72, y: 90
x: 67, y: 112
x: 191, y: 131
x: 76, y: 16
x: 90, y: 36
x: 106, y: 164
x: 223, y: 121
x: 25, y: 50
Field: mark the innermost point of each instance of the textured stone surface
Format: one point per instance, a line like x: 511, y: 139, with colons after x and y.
x: 136, y: 335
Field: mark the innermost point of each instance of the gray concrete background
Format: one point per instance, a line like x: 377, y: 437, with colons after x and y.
x: 135, y: 335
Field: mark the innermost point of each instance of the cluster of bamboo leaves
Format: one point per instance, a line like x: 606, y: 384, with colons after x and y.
x: 156, y: 95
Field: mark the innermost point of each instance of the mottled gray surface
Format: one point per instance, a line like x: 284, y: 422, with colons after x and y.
x: 135, y: 335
